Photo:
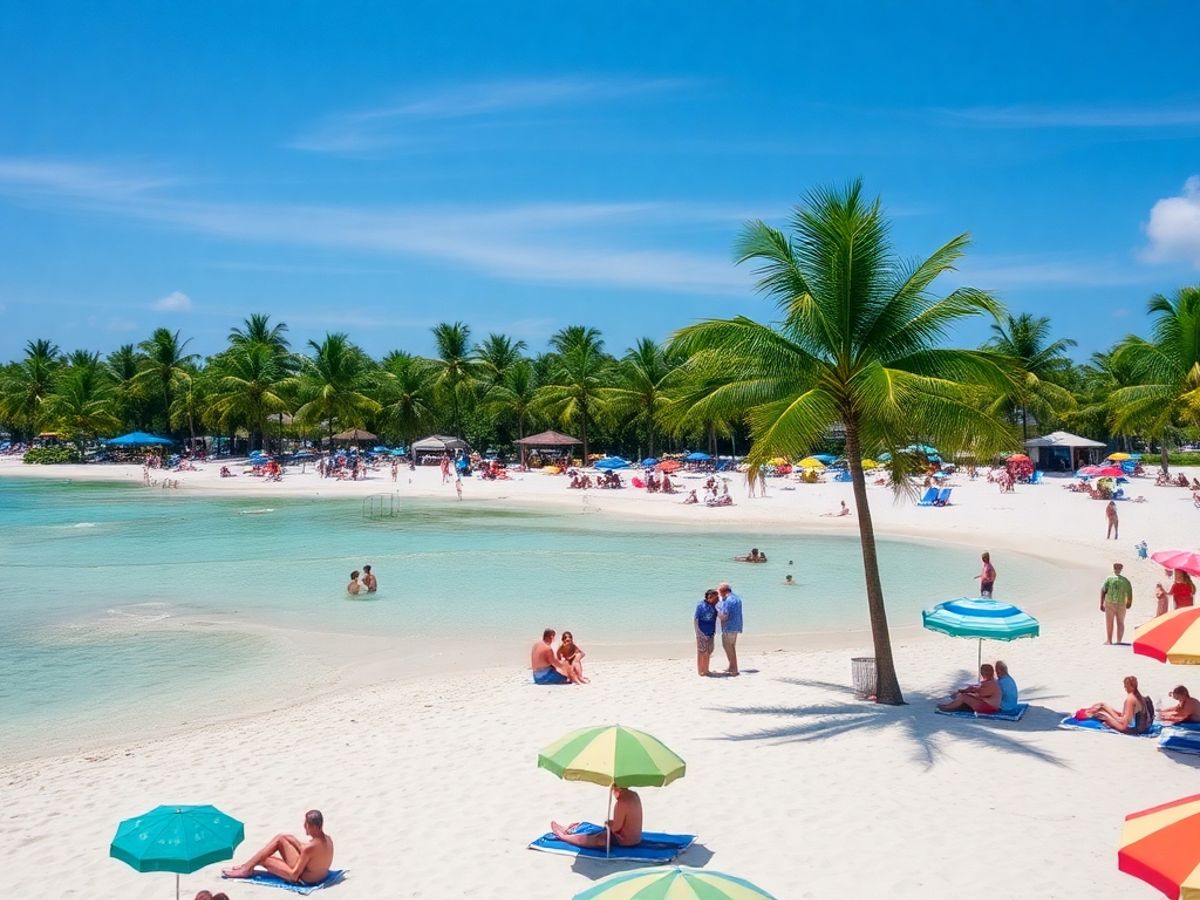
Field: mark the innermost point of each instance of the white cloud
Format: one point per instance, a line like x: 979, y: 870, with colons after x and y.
x: 1144, y: 116
x: 366, y: 130
x: 560, y: 243
x: 1003, y: 272
x: 176, y: 301
x: 1174, y: 227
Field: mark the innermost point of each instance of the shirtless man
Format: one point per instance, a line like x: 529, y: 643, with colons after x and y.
x: 353, y: 587
x: 1186, y: 708
x: 548, y: 668
x: 295, y: 862
x: 370, y: 582
x: 625, y: 826
x: 982, y: 698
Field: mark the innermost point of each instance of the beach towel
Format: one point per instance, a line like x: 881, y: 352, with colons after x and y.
x: 267, y: 880
x: 655, y: 847
x: 1095, y: 725
x: 1180, y: 742
x: 1013, y: 715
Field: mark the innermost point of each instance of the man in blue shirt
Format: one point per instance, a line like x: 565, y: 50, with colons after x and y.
x: 705, y: 621
x: 729, y: 611
x: 1008, y: 688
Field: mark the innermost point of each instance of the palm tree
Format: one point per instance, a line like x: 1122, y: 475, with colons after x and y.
x: 165, y: 368
x: 495, y: 357
x: 248, y: 387
x: 257, y: 329
x: 82, y: 406
x: 406, y: 393
x: 1166, y: 371
x: 335, y: 380
x: 1096, y: 383
x: 514, y: 398
x: 578, y: 377
x: 640, y: 393
x: 28, y: 384
x: 1039, y: 366
x: 857, y: 344
x: 456, y: 367
x: 123, y: 366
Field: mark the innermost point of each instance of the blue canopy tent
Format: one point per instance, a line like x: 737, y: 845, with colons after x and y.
x: 611, y: 462
x: 649, y: 462
x: 697, y: 456
x: 139, y: 439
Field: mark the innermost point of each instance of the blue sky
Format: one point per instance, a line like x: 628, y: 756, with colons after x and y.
x: 379, y: 167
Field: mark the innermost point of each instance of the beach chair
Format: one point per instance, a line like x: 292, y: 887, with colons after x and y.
x: 943, y: 497
x: 1036, y: 477
x: 931, y: 495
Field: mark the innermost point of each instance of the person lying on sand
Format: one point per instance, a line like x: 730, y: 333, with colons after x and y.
x: 547, y: 669
x: 625, y: 826
x: 1186, y: 708
x: 1134, y: 717
x: 290, y: 859
x: 752, y: 557
x: 981, y: 698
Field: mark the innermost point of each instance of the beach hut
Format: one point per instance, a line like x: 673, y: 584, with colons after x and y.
x: 355, y: 435
x: 437, y: 444
x: 547, y: 440
x: 1061, y: 451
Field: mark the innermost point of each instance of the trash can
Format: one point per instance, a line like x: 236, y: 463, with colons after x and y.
x: 863, y: 677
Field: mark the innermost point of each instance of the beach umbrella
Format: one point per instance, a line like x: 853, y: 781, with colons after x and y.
x: 612, y: 755
x: 826, y: 458
x: 811, y: 462
x: 355, y: 434
x: 1172, y: 638
x: 611, y: 462
x: 138, y: 439
x: 1159, y: 845
x: 1118, y: 457
x: 697, y: 456
x: 1019, y: 457
x: 870, y: 464
x: 980, y: 618
x: 649, y: 462
x: 679, y: 882
x: 669, y: 465
x: 179, y: 839
x: 1187, y: 560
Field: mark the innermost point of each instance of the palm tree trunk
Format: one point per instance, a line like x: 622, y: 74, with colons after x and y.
x: 584, y: 420
x: 887, y: 689
x: 1162, y: 455
x: 712, y: 438
x: 1024, y: 423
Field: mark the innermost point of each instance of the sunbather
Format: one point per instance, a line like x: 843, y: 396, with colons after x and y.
x: 625, y: 826
x: 984, y: 697
x: 547, y: 668
x: 1135, y: 715
x: 1008, y: 688
x: 290, y: 859
x: 1186, y: 708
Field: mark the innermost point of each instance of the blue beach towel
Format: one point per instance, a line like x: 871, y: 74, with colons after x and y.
x: 1013, y: 715
x: 1095, y: 725
x: 654, y: 848
x: 1180, y: 742
x: 267, y: 880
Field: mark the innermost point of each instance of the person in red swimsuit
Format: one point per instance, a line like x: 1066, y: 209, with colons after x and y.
x: 982, y: 698
x: 1183, y: 591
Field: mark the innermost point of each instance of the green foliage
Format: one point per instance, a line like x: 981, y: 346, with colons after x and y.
x: 1183, y: 459
x: 47, y: 456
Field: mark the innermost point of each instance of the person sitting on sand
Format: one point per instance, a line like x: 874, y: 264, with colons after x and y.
x: 353, y: 587
x: 984, y: 697
x: 1008, y: 688
x: 844, y: 510
x: 546, y: 667
x: 691, y: 497
x: 572, y: 654
x: 288, y: 858
x: 1136, y: 712
x: 370, y: 582
x: 1186, y: 708
x: 625, y: 826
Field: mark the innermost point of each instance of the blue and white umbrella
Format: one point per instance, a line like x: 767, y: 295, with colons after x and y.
x: 980, y: 618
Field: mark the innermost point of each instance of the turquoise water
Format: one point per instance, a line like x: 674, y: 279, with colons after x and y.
x: 122, y: 606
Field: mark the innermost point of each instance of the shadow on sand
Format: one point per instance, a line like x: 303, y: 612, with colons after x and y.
x: 697, y: 856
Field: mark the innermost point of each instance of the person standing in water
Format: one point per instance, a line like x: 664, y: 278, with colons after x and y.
x: 353, y: 587
x: 370, y: 582
x: 986, y: 576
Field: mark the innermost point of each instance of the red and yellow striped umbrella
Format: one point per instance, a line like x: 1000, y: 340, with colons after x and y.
x: 1161, y: 846
x: 1173, y: 638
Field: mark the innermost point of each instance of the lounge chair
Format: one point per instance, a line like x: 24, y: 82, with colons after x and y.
x: 943, y: 497
x: 1036, y: 477
x: 931, y: 495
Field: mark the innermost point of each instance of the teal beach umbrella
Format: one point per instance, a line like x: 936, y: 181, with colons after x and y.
x: 676, y: 882
x: 179, y: 839
x: 981, y: 618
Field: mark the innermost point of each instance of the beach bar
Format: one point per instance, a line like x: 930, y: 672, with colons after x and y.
x: 1061, y: 451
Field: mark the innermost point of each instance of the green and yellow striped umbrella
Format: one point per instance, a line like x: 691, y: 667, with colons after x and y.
x: 612, y: 755
x: 675, y: 883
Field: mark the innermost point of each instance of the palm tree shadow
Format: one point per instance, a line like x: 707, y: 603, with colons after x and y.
x: 917, y: 721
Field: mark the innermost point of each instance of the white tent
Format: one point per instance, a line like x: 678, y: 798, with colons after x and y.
x: 1063, y: 451
x: 439, y: 443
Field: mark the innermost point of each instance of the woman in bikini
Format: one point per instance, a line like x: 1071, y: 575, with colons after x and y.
x: 572, y: 654
x: 1132, y: 718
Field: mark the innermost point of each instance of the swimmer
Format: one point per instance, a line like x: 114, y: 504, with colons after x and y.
x: 370, y: 582
x: 353, y: 587
x: 789, y: 581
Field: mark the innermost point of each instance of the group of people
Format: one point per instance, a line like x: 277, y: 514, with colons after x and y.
x: 557, y: 665
x: 362, y: 581
x: 583, y: 481
x: 1136, y: 714
x: 995, y: 692
x: 720, y: 607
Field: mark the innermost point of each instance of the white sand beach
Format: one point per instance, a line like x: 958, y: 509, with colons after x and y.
x: 430, y: 786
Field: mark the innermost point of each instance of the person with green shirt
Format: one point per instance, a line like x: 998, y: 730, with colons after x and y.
x: 1115, y: 598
